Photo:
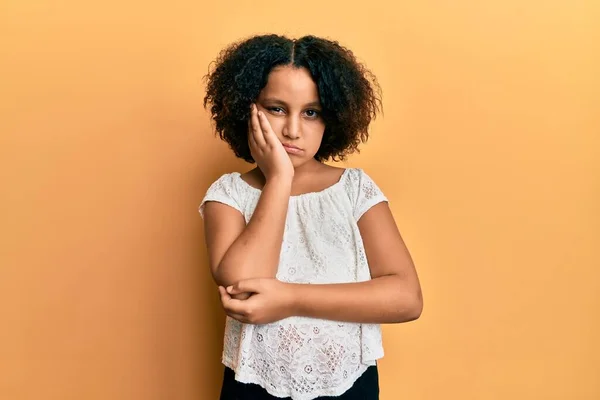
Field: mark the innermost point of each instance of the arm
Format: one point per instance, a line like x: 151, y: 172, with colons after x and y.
x: 393, y: 294
x: 238, y: 251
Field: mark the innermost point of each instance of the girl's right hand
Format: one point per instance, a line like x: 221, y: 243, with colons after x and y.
x: 266, y: 149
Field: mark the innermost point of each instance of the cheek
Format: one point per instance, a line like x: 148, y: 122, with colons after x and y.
x: 276, y: 123
x: 315, y: 132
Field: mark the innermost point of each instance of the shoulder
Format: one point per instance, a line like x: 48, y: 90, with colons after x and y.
x: 355, y: 178
x: 227, y: 190
x: 226, y: 183
x: 354, y: 174
x: 227, y: 179
x: 362, y: 191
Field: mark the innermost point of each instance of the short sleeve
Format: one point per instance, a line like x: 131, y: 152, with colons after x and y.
x: 366, y: 193
x: 224, y: 191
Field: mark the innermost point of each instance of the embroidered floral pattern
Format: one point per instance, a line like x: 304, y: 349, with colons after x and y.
x: 300, y: 357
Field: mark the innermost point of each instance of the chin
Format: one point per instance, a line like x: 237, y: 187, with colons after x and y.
x: 298, y: 162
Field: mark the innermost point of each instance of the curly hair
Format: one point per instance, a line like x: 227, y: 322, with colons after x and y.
x: 349, y: 93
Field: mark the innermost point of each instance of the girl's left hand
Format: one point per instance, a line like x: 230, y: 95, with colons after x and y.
x: 270, y: 300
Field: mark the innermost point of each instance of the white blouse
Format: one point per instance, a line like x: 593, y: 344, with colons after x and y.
x: 301, y: 357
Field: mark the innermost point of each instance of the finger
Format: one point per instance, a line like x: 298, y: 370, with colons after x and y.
x: 238, y: 317
x: 252, y: 144
x: 235, y: 289
x: 241, y: 296
x: 257, y: 132
x: 251, y: 140
x: 225, y: 297
x: 268, y: 134
x: 235, y: 306
x: 247, y: 285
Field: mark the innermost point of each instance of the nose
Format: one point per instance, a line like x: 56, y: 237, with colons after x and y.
x: 291, y: 129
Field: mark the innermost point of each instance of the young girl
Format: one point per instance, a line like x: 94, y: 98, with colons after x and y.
x: 307, y: 257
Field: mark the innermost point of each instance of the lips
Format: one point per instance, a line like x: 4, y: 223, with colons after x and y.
x: 291, y: 149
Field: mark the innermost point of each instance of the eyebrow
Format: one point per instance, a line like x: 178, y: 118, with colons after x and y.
x: 316, y: 103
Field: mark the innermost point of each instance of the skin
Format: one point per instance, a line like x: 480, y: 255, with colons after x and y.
x: 244, y: 258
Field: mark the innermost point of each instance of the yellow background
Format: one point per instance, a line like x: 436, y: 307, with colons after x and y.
x: 488, y: 150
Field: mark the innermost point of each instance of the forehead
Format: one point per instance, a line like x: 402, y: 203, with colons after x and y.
x: 291, y: 83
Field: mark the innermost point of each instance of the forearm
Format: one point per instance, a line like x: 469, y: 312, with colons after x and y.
x: 255, y: 253
x: 386, y: 299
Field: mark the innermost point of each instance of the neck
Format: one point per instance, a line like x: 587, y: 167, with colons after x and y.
x: 308, y: 168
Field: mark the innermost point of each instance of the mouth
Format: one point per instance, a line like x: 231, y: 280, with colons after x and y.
x: 291, y: 149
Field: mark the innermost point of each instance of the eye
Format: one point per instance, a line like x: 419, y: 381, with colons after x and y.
x: 276, y: 110
x: 312, y: 113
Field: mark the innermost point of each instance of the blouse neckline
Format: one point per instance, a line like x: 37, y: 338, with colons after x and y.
x: 301, y: 195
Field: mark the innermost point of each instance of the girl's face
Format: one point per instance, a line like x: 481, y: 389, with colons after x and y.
x: 290, y: 100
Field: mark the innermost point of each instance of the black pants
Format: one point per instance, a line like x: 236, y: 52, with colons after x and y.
x: 366, y: 387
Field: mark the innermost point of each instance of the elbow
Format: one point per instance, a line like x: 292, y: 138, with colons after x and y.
x: 229, y: 272
x: 221, y: 282
x: 416, y: 308
x: 225, y: 279
x: 417, y: 304
x: 409, y: 308
x: 222, y: 276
